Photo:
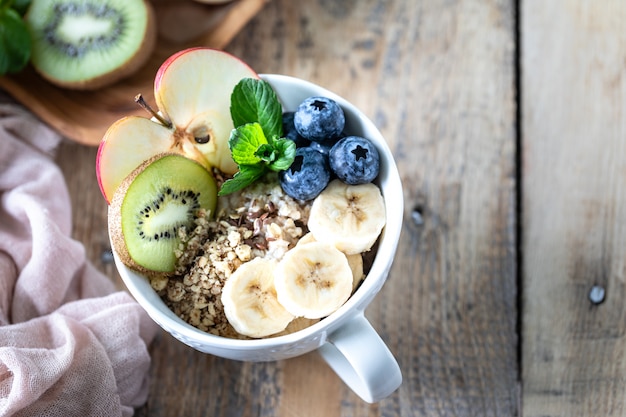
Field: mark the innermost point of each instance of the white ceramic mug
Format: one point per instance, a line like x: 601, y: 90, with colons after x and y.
x: 345, y: 339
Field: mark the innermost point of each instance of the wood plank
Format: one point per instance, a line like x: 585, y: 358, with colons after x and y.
x: 456, y: 141
x: 574, y: 121
x: 438, y: 78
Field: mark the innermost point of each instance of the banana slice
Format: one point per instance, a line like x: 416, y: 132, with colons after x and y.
x: 313, y: 280
x: 297, y: 324
x: 355, y: 261
x: 308, y: 238
x: 250, y: 302
x: 356, y: 266
x: 349, y: 216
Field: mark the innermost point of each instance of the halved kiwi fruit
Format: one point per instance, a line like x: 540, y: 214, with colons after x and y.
x: 154, y: 201
x: 87, y: 44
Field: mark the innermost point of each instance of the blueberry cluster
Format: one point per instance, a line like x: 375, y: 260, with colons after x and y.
x: 324, y: 151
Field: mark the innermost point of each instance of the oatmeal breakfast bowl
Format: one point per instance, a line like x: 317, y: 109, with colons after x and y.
x: 259, y: 224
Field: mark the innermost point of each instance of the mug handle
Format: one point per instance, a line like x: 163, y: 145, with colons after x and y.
x: 361, y: 359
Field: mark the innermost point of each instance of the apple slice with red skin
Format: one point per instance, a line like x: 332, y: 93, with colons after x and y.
x: 192, y: 90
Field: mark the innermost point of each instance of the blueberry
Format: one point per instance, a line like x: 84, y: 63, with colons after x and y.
x: 322, y: 147
x: 307, y: 176
x: 290, y: 132
x: 354, y: 160
x: 319, y: 119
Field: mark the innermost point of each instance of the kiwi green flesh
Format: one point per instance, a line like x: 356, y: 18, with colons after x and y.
x: 161, y: 199
x: 76, y: 40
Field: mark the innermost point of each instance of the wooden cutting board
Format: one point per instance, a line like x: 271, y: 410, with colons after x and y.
x: 85, y: 116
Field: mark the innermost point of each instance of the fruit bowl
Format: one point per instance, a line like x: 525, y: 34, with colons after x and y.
x: 292, y: 91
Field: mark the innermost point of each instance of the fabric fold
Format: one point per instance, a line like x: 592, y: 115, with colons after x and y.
x: 70, y: 344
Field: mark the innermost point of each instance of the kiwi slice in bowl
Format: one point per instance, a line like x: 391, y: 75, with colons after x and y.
x: 159, y: 197
x: 88, y: 44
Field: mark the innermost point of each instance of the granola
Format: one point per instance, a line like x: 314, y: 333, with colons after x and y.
x: 260, y: 221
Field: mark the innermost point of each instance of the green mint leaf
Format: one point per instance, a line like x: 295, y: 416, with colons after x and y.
x: 21, y: 6
x: 285, y: 150
x: 244, y: 142
x: 254, y: 100
x: 266, y: 153
x: 255, y: 142
x: 15, y: 42
x: 247, y: 175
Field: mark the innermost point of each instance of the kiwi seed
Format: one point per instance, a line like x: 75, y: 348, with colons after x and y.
x: 187, y: 198
x: 152, y: 204
x: 87, y: 44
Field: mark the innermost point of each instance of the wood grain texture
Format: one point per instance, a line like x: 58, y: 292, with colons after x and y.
x: 574, y: 107
x: 437, y: 77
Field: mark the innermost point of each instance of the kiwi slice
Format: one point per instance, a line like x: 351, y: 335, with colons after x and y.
x: 87, y: 44
x: 152, y: 204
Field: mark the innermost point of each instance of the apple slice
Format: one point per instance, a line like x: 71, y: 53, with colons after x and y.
x: 192, y: 90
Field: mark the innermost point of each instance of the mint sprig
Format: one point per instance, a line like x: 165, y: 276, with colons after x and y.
x: 245, y: 141
x: 254, y: 100
x: 247, y: 175
x: 256, y: 143
x: 15, y: 41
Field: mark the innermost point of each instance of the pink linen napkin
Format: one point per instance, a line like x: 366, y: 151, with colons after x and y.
x: 70, y: 345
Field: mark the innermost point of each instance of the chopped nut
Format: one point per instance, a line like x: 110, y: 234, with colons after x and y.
x: 274, y: 232
x: 176, y: 292
x: 194, y: 317
x: 243, y: 252
x: 260, y: 221
x: 159, y: 283
x: 234, y: 238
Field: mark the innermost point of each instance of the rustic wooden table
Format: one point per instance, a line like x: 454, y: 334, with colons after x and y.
x: 507, y: 120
